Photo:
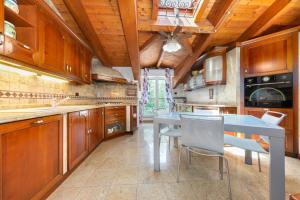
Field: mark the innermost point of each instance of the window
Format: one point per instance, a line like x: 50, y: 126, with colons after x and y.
x: 157, y: 97
x: 186, y: 8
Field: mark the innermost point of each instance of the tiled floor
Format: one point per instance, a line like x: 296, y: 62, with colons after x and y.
x: 123, y: 169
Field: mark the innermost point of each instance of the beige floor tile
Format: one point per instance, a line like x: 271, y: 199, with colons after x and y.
x: 151, y: 192
x: 122, y: 192
x: 93, y: 193
x: 64, y: 194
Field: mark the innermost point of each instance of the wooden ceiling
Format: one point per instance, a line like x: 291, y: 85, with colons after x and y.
x: 126, y: 34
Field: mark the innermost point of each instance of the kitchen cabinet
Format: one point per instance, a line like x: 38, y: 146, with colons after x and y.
x: 133, y: 118
x: 215, y: 70
x: 287, y: 124
x: 269, y: 55
x: 24, y: 46
x: 78, y: 137
x: 31, y: 157
x: 51, y: 44
x: 71, y: 57
x: 115, y: 121
x: 85, y: 65
x: 95, y: 127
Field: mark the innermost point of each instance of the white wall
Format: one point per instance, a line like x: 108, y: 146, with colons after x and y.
x: 223, y: 94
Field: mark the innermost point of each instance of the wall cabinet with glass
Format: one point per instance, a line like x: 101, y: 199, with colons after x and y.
x: 215, y: 69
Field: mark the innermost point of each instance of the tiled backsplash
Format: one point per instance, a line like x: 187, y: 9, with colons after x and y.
x: 26, y: 91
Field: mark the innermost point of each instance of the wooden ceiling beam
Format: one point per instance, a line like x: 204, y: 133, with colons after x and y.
x: 160, y: 58
x: 222, y: 12
x: 149, y: 42
x: 202, y: 41
x: 200, y: 10
x: 264, y: 20
x: 128, y: 13
x: 87, y: 29
x: 154, y: 9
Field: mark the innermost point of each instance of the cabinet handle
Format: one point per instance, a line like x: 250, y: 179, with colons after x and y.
x: 23, y: 46
x: 70, y: 69
x: 38, y: 122
x: 67, y: 67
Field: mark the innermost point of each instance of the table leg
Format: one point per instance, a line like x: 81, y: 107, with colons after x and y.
x: 277, y: 169
x: 248, y: 154
x: 156, y: 149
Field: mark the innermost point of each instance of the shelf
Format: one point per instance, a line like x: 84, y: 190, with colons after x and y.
x: 104, y: 78
x: 15, y: 18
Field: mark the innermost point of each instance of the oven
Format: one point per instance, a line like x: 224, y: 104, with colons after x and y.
x: 274, y: 91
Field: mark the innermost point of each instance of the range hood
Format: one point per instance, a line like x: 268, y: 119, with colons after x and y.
x: 101, y: 73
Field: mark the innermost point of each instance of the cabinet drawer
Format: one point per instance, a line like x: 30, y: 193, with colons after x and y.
x: 115, y: 109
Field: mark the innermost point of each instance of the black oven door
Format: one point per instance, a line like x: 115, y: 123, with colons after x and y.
x: 269, y: 97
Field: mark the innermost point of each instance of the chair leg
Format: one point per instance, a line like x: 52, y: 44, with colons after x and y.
x: 221, y: 167
x: 259, y: 165
x: 190, y: 158
x: 169, y: 143
x: 228, y: 177
x: 178, y: 166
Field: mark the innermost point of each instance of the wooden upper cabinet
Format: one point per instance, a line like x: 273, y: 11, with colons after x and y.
x: 78, y: 137
x: 24, y: 46
x: 85, y: 65
x: 51, y: 45
x: 268, y: 56
x: 31, y: 157
x: 71, y: 57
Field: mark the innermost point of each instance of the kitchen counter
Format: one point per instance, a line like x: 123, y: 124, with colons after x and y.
x: 207, y: 105
x: 13, y: 115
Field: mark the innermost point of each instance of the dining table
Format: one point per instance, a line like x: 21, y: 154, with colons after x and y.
x: 248, y: 125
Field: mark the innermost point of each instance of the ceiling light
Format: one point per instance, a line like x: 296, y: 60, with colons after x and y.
x: 171, y: 46
x: 16, y: 70
x: 53, y: 79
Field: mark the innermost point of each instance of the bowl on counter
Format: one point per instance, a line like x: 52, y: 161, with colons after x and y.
x: 10, y: 29
x: 12, y: 4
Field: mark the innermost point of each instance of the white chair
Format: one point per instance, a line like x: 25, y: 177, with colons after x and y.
x: 204, y: 135
x: 253, y: 145
x: 174, y: 133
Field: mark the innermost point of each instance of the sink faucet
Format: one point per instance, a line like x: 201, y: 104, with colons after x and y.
x: 55, y: 102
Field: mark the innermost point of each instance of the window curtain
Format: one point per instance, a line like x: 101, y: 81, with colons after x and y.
x: 145, y: 93
x: 169, y: 89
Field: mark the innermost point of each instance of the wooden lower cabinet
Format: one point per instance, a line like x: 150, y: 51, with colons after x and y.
x: 133, y: 118
x: 287, y: 124
x: 115, y: 121
x: 77, y: 138
x: 31, y: 160
x: 96, y: 127
x: 85, y: 131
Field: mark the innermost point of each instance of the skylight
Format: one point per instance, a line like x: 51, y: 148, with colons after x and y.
x: 186, y: 7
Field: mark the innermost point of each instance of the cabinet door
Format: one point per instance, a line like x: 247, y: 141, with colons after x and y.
x: 95, y: 130
x: 133, y: 110
x: 215, y: 70
x: 51, y: 46
x: 85, y: 64
x: 78, y: 138
x: 71, y: 58
x: 31, y: 157
x: 275, y: 55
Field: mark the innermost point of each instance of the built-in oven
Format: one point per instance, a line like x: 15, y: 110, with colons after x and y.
x: 274, y: 91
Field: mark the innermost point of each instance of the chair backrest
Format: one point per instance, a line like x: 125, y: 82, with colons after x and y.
x: 203, y: 131
x: 269, y: 117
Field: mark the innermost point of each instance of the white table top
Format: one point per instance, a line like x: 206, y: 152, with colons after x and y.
x: 243, y: 123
